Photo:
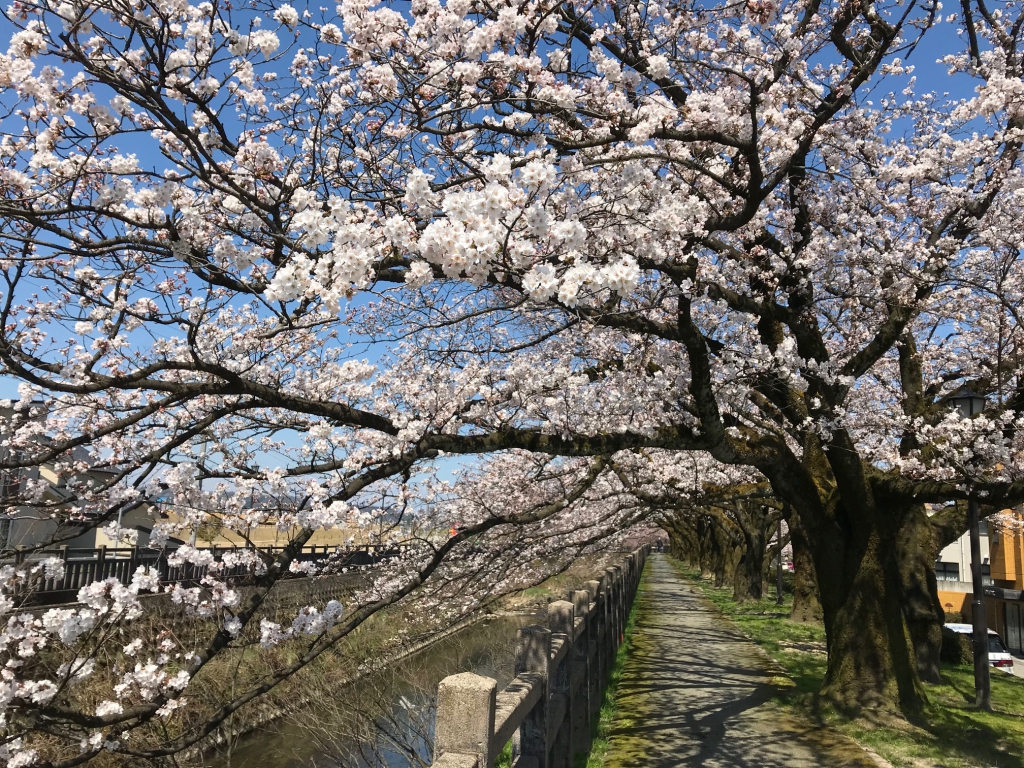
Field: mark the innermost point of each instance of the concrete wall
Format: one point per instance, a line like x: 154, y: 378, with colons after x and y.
x: 959, y: 552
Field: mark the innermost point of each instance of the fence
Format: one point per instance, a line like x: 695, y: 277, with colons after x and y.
x: 561, y: 672
x: 84, y: 566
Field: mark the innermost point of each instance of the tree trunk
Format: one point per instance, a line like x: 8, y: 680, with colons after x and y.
x: 871, y: 661
x: 713, y: 555
x: 705, y: 547
x: 853, y: 540
x: 749, y: 578
x: 806, y: 605
x: 731, y: 554
x: 682, y: 541
x: 918, y: 548
x: 719, y: 561
x: 747, y: 582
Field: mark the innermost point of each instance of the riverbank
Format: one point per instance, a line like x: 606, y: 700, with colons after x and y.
x: 386, y: 716
x: 315, y: 697
x: 270, y: 715
x: 951, y: 733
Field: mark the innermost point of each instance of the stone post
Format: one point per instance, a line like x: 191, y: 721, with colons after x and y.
x: 613, y: 638
x: 619, y: 599
x: 534, y: 655
x: 465, y: 717
x: 607, y: 652
x: 581, y: 666
x: 595, y: 672
x: 560, y: 619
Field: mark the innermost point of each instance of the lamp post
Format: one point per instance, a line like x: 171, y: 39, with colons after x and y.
x: 969, y: 403
x: 778, y: 567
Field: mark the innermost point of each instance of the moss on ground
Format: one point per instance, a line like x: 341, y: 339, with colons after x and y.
x: 950, y: 733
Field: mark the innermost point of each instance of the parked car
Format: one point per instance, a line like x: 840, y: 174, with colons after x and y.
x: 998, y: 656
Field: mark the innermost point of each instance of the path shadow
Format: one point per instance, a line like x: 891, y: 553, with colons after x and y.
x: 695, y: 692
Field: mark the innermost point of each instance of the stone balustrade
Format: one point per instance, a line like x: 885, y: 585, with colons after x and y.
x: 561, y: 673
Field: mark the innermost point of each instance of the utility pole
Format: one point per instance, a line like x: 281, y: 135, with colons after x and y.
x: 982, y: 684
x: 969, y: 404
x: 778, y: 566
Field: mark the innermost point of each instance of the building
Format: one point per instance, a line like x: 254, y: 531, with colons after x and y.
x: 1002, y: 555
x: 953, y: 574
x: 1004, y: 598
x: 25, y: 526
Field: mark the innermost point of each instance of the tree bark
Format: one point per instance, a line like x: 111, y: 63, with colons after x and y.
x: 871, y: 660
x: 720, y: 554
x: 806, y: 605
x: 853, y: 540
x: 748, y: 583
x: 752, y: 520
x: 918, y: 549
x: 712, y: 555
x: 683, y: 543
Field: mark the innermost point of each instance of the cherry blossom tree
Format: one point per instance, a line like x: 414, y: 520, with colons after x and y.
x: 270, y: 252
x: 729, y: 537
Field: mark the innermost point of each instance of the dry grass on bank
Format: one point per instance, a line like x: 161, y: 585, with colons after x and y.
x: 556, y: 588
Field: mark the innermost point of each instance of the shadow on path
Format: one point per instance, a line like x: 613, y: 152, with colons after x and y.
x: 695, y: 692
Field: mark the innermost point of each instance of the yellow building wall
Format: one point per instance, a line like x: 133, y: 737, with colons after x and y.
x: 270, y: 536
x: 955, y: 602
x: 1007, y: 553
x: 214, y: 535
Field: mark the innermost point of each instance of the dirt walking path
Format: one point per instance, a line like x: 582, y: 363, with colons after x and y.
x: 696, y: 692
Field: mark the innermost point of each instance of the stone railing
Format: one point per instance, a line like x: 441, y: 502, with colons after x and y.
x: 561, y: 673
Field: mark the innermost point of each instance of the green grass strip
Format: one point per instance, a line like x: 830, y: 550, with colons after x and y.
x: 602, y: 723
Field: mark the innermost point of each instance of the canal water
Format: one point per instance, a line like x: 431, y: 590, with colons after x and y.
x: 384, y: 720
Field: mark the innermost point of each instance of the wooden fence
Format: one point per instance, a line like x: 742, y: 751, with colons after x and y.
x: 561, y: 673
x: 84, y: 566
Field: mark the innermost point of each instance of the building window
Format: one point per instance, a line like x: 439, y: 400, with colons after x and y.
x: 986, y: 576
x: 947, y: 571
x: 10, y: 484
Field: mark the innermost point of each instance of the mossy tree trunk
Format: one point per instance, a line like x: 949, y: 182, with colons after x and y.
x: 722, y: 551
x: 684, y: 543
x: 806, y: 605
x: 853, y: 539
x: 748, y: 583
x: 713, y: 552
x: 918, y: 549
x: 871, y: 658
x: 753, y: 520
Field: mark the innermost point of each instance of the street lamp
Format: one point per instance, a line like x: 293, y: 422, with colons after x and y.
x: 968, y: 404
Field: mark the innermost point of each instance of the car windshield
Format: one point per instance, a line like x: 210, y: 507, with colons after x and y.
x: 995, y: 645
